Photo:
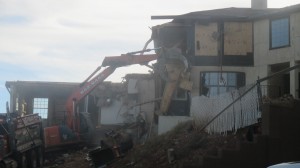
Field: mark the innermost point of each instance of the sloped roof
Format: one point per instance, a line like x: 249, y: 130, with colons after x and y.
x: 279, y: 11
x: 231, y: 14
x: 39, y: 83
x: 226, y: 13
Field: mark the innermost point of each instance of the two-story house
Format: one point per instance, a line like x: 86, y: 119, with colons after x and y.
x: 232, y: 47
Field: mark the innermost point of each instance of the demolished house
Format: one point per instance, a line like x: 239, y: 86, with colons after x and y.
x: 109, y: 104
x: 239, y: 59
x: 212, y: 52
x: 204, y: 60
x: 243, y: 41
x: 231, y: 48
x: 48, y: 99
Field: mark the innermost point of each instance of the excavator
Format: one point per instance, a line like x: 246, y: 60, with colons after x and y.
x: 172, y: 67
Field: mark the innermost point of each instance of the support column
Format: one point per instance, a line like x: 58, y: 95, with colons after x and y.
x: 294, y: 80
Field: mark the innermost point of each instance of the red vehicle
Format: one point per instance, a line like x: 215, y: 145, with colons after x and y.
x: 78, y: 125
x: 21, y: 140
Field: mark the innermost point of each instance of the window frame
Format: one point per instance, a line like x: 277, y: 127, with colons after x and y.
x: 41, y: 114
x: 227, y: 86
x: 270, y: 33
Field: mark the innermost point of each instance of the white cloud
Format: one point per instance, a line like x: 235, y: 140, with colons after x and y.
x: 65, y: 40
x: 66, y: 34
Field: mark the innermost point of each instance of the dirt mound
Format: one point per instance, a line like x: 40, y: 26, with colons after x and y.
x: 186, y: 143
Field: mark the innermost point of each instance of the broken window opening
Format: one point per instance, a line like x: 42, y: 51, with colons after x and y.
x: 216, y: 83
x: 180, y: 94
x: 40, y: 106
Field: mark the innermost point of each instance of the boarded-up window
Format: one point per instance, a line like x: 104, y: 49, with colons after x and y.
x: 237, y: 38
x: 206, y: 39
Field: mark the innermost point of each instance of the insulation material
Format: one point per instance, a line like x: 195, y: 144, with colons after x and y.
x: 237, y: 38
x: 206, y: 40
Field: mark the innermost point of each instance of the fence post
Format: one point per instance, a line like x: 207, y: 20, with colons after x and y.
x: 259, y: 94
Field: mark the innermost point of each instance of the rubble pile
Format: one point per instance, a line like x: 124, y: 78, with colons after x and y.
x: 68, y: 159
x: 287, y: 100
x: 184, y: 146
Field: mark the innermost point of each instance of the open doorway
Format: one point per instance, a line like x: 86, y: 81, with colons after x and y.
x: 279, y: 85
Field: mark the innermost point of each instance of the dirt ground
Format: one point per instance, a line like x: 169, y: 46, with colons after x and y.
x: 68, y: 159
x: 186, y: 143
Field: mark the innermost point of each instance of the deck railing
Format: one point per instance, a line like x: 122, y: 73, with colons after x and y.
x: 238, y: 108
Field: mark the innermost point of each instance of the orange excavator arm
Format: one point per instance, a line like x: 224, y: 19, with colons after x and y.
x: 111, y: 63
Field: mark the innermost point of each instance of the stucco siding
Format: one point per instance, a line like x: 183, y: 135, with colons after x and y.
x: 263, y: 55
x: 295, y: 35
x: 147, y: 93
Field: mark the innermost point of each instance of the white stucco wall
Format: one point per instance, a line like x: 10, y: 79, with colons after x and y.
x: 295, y: 20
x: 147, y: 93
x: 111, y: 114
x: 263, y: 55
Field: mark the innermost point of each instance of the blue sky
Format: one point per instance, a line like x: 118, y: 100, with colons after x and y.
x: 65, y: 40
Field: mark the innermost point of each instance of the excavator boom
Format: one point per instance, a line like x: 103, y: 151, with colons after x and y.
x: 111, y: 63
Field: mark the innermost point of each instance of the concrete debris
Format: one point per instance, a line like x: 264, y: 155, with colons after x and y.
x: 171, y: 155
x: 66, y: 155
x: 101, y: 157
x: 287, y: 100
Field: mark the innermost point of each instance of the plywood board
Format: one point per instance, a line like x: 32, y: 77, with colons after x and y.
x: 206, y: 39
x: 237, y: 38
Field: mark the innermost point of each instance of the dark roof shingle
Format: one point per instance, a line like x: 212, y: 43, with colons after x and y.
x: 226, y: 13
x: 231, y: 14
